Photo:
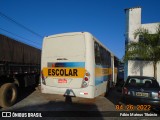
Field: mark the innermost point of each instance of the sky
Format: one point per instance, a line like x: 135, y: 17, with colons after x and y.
x: 104, y: 19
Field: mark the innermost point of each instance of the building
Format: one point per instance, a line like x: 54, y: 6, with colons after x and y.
x: 133, y: 22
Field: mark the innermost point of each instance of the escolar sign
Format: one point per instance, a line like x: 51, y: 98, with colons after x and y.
x: 64, y: 72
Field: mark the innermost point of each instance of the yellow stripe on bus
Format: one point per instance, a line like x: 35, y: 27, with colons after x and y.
x: 64, y: 72
x: 115, y: 70
x: 103, y: 71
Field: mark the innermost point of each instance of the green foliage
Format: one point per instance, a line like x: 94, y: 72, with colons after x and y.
x: 148, y: 47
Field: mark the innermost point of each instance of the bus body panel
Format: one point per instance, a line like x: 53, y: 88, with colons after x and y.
x: 64, y: 51
x: 103, y: 69
x: 89, y: 61
x: 83, y: 92
x: 100, y: 89
x: 77, y: 52
x: 76, y: 58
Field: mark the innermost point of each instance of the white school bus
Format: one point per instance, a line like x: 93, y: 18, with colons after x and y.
x: 76, y: 64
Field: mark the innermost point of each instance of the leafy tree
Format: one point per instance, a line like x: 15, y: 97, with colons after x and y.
x: 147, y: 48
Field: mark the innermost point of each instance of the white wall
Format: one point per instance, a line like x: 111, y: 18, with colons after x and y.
x: 150, y: 26
x: 142, y: 68
x: 133, y: 22
x: 158, y: 72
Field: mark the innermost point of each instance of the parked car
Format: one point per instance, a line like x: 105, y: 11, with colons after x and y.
x: 140, y: 90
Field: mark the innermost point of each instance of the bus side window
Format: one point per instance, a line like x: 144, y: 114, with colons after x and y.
x: 106, y: 62
x: 102, y: 53
x: 105, y: 57
x: 97, y: 54
x: 108, y: 59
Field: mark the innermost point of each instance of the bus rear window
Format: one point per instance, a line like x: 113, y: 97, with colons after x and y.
x: 64, y: 46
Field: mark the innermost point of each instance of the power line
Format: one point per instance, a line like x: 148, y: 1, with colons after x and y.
x: 19, y: 36
x: 24, y: 27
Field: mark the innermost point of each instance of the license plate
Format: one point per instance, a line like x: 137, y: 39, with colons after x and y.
x: 142, y: 94
x: 62, y: 81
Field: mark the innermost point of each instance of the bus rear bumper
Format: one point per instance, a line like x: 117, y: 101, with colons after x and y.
x: 87, y: 92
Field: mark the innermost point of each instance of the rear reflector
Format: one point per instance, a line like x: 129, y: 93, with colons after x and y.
x: 43, y: 78
x: 125, y: 90
x: 83, y: 93
x: 84, y: 84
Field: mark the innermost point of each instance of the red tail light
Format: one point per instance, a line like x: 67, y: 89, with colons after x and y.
x: 159, y: 94
x: 125, y: 90
x: 43, y: 78
x: 42, y: 75
x: 86, y: 80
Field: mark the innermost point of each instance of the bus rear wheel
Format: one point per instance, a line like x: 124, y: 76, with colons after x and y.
x: 107, y: 88
x: 8, y: 95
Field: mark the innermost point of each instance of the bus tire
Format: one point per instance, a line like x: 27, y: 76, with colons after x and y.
x: 107, y: 89
x: 8, y: 94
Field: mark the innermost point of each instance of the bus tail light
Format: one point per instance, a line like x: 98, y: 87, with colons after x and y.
x: 85, y: 81
x: 125, y: 90
x: 43, y: 78
x: 86, y: 78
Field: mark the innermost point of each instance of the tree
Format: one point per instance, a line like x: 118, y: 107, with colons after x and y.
x: 147, y: 48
